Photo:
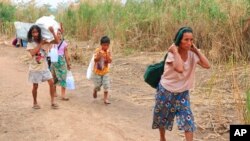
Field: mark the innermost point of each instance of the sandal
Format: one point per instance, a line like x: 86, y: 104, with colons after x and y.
x: 36, y: 106
x: 95, y: 94
x: 107, y: 102
x: 65, y: 99
x: 54, y: 106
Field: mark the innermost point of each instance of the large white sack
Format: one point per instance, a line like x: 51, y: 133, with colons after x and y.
x: 22, y: 29
x: 44, y: 23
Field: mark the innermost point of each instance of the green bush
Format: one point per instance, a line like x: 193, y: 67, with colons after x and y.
x: 7, y: 12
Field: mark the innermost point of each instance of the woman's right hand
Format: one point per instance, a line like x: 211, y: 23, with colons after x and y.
x: 173, y: 49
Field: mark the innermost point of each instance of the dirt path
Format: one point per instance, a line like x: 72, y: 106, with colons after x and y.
x: 80, y: 119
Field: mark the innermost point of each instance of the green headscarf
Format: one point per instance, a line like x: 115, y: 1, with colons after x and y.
x: 179, y: 34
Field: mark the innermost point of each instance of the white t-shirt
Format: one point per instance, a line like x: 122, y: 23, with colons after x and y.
x: 38, y: 62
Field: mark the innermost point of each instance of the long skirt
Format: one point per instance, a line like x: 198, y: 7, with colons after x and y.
x: 59, y: 71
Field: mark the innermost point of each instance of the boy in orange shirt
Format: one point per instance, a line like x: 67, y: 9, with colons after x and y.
x: 102, y: 58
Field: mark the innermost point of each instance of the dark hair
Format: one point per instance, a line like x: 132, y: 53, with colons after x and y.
x: 179, y: 34
x: 30, y: 33
x: 105, y: 39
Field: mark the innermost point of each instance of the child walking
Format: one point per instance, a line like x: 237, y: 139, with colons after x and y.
x: 38, y: 68
x: 102, y: 58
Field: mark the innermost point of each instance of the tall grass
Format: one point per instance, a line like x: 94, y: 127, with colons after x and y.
x: 151, y: 25
x: 22, y: 12
x: 30, y: 13
x: 247, y: 109
x: 7, y: 16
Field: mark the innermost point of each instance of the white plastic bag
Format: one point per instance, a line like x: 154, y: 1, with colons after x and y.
x: 22, y: 29
x: 53, y: 54
x: 44, y: 23
x: 70, y: 82
x: 90, y: 68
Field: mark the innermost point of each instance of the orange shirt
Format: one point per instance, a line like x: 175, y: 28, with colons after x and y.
x: 100, y: 67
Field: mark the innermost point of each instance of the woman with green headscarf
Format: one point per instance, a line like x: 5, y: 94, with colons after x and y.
x: 172, y: 97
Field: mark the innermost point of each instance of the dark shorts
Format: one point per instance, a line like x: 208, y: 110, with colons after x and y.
x: 168, y: 105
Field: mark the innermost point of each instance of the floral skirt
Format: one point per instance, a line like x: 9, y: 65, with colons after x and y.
x: 59, y: 71
x: 169, y: 105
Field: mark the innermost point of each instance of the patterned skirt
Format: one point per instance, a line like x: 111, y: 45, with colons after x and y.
x: 169, y: 105
x: 59, y: 71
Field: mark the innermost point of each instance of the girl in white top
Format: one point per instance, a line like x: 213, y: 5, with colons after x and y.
x: 172, y: 98
x: 38, y: 69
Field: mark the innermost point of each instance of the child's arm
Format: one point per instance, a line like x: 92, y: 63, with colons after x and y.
x: 36, y: 50
x: 97, y: 56
x: 108, y: 58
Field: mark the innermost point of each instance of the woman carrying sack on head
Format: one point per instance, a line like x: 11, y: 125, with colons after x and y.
x: 172, y: 97
x: 60, y: 67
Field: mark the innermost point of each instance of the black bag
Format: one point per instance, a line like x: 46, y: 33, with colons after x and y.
x: 49, y: 61
x: 153, y: 73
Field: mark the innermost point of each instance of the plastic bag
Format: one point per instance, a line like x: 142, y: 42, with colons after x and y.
x: 100, y: 64
x: 44, y: 23
x: 70, y: 82
x: 90, y: 68
x: 53, y: 54
x: 22, y: 29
